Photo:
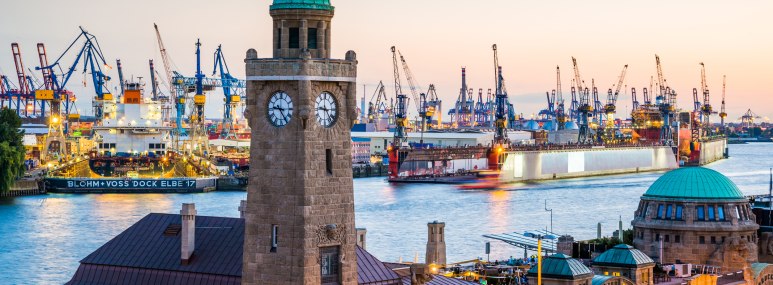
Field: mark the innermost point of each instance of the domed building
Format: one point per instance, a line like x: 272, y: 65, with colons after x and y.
x: 696, y: 215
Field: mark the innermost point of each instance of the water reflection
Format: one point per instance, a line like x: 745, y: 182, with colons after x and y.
x: 49, y: 234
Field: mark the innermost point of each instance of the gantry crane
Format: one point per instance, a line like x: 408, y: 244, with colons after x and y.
x: 232, y: 98
x: 93, y: 60
x: 611, y: 107
x: 706, y: 109
x: 665, y: 100
x: 503, y: 108
x: 433, y: 107
x: 584, y: 107
x: 747, y: 120
x: 414, y: 87
x: 401, y: 121
x: 25, y: 88
x: 561, y: 115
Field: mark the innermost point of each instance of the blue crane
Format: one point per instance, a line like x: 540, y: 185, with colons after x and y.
x: 93, y: 60
x: 229, y: 84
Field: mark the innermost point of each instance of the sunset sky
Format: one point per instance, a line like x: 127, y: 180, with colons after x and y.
x: 438, y: 37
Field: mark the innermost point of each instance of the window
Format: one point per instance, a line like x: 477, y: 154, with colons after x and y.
x: 329, y: 264
x: 657, y: 237
x: 666, y: 239
x: 713, y: 240
x: 670, y: 212
x: 660, y: 211
x: 295, y: 39
x: 312, y: 38
x: 701, y: 214
x: 702, y: 240
x: 644, y: 209
x: 616, y: 274
x: 329, y: 161
x: 711, y: 213
x: 679, y: 212
x: 279, y: 38
x: 677, y: 239
x: 274, y: 237
x: 721, y: 213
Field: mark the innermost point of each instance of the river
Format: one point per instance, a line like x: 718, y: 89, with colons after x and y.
x: 44, y: 237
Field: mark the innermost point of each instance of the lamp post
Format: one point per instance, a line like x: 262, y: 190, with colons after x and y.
x: 539, y: 251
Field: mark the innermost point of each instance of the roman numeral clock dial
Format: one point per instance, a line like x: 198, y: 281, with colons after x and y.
x: 326, y: 109
x: 280, y: 109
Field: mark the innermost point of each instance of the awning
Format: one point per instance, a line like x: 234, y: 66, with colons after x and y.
x: 517, y: 239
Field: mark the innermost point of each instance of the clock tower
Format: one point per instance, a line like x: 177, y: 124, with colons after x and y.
x: 301, y: 106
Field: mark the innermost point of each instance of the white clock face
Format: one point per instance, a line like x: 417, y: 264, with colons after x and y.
x: 280, y: 109
x: 326, y: 109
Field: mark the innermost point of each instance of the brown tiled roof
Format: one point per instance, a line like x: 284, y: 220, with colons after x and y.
x: 143, y: 254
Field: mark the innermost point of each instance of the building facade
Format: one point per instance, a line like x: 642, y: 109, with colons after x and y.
x: 299, y: 217
x: 696, y: 215
x: 625, y: 261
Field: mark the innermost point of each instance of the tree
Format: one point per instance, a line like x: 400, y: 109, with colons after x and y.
x: 11, y: 149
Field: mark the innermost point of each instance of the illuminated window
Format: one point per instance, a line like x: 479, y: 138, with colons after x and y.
x: 616, y: 274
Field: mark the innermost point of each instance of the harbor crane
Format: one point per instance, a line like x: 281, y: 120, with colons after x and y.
x: 634, y: 100
x: 706, y: 109
x: 561, y: 115
x: 230, y: 87
x: 93, y: 61
x: 747, y: 120
x: 25, y: 87
x: 611, y: 107
x: 665, y: 100
x: 584, y: 108
x: 412, y: 85
x: 503, y: 108
x: 377, y: 107
x: 401, y: 121
x: 722, y: 113
x: 433, y: 106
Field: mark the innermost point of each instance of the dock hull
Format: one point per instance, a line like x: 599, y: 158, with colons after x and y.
x: 557, y: 164
x: 127, y: 185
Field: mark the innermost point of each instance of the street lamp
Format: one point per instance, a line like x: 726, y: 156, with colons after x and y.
x: 539, y: 238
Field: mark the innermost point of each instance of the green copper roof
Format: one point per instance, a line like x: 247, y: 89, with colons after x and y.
x: 623, y: 255
x: 757, y: 269
x: 562, y: 267
x: 694, y: 183
x: 302, y: 4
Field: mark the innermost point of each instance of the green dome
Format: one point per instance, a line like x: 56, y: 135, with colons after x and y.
x: 560, y: 266
x: 694, y: 183
x: 302, y: 4
x: 623, y: 255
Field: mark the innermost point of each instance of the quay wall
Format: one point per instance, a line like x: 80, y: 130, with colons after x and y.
x: 24, y: 187
x: 556, y: 164
x: 712, y: 150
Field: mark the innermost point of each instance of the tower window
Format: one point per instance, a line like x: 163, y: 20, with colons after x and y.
x: 711, y: 213
x: 677, y: 239
x: 660, y: 211
x: 669, y: 212
x: 721, y: 212
x: 679, y: 212
x: 295, y: 38
x: 274, y: 237
x: 312, y: 38
x: 701, y: 240
x: 329, y: 265
x: 329, y: 161
x: 279, y: 38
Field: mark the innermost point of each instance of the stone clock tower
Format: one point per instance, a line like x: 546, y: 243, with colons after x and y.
x: 301, y: 107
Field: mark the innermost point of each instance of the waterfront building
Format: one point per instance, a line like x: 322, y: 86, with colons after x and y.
x: 696, y: 215
x: 301, y: 107
x: 626, y: 261
x: 190, y: 249
x: 360, y: 150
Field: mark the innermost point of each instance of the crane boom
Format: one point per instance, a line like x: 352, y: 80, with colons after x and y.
x: 165, y: 59
x: 411, y: 82
x: 577, y: 78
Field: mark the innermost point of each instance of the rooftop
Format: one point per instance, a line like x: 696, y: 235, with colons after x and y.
x: 623, y: 255
x: 302, y: 4
x: 561, y: 266
x: 695, y: 183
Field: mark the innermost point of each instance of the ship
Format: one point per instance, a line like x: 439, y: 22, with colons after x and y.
x: 132, y: 140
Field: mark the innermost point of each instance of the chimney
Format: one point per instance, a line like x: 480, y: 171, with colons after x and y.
x: 242, y: 208
x: 361, y: 237
x: 188, y: 243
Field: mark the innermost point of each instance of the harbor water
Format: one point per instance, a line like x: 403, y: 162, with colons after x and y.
x: 44, y: 237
